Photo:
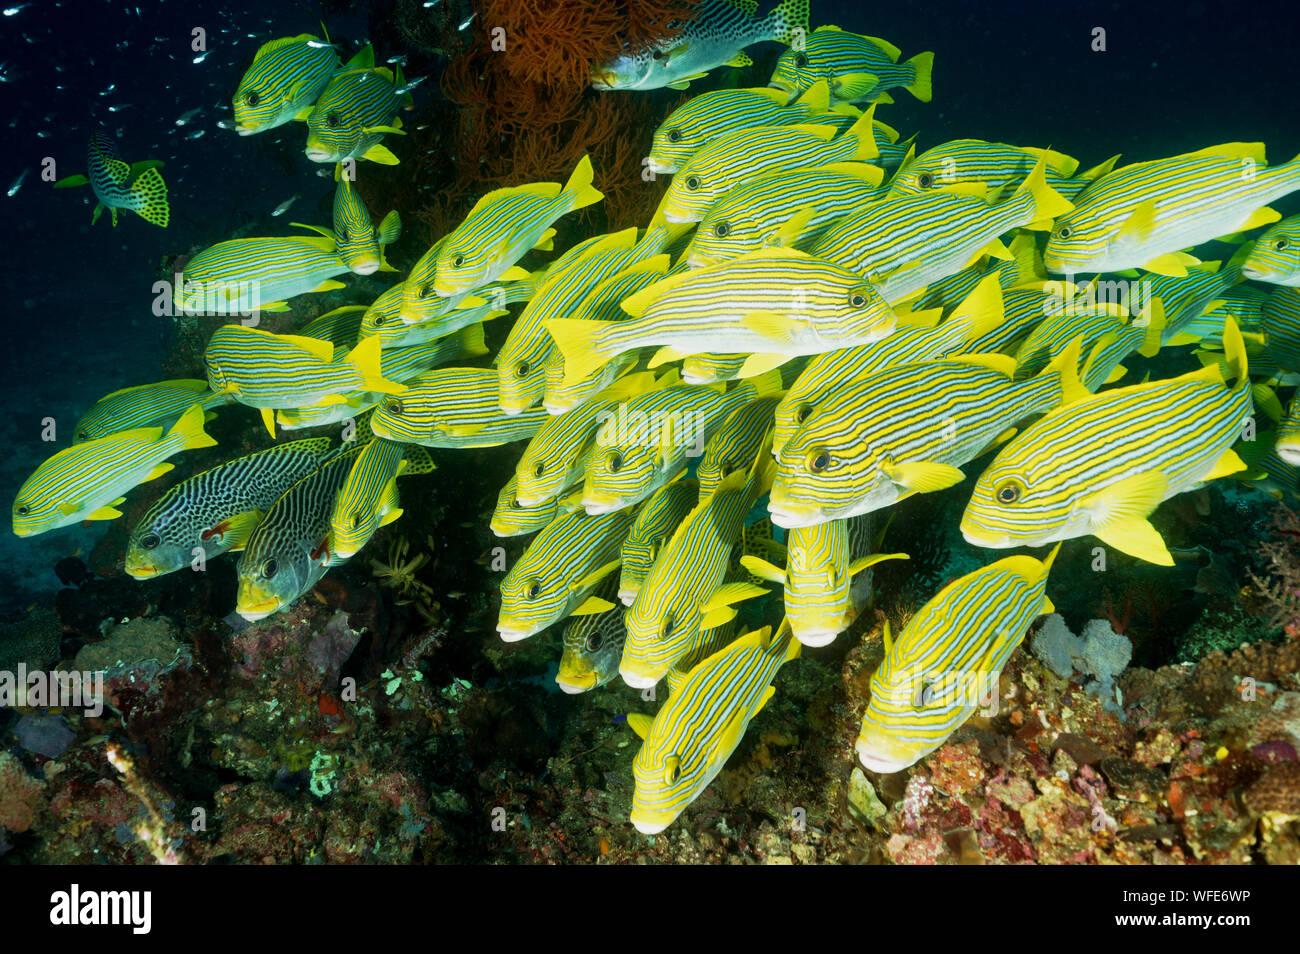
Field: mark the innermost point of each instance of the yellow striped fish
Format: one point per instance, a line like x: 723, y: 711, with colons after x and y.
x: 521, y: 362
x: 645, y: 445
x: 286, y: 76
x: 685, y: 593
x: 733, y: 158
x: 979, y: 167
x: 561, y: 395
x: 705, y: 117
x: 287, y: 553
x: 267, y: 371
x: 1280, y: 325
x: 907, y: 430
x: 787, y: 208
x: 694, y: 733
x: 355, y: 110
x: 1287, y: 443
x: 368, y: 498
x: 773, y: 304
x: 356, y: 240
x: 821, y: 594
x: 555, y: 457
x: 1101, y: 464
x: 216, y: 510
x: 145, y: 404
x: 1141, y: 216
x: 735, y: 444
x: 979, y: 314
x: 946, y: 662
x: 453, y: 407
x: 1275, y: 255
x: 858, y: 68
x: 505, y: 224
x: 510, y: 518
x: 658, y: 518
x: 559, y: 570
x: 244, y: 276
x: 901, y: 245
x: 87, y: 481
x: 420, y: 304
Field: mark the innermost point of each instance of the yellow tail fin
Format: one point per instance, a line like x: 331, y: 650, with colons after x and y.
x: 923, y: 64
x: 1048, y: 203
x: 580, y: 188
x: 190, y: 426
x: 578, y: 343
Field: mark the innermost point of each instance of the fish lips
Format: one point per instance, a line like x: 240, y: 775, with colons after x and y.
x: 649, y: 823
x: 790, y: 519
x: 881, y: 762
x: 637, y: 680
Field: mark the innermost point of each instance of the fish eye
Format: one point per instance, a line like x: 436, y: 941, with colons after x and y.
x: 332, y: 119
x: 23, y: 510
x: 674, y: 135
x: 857, y: 300
x: 722, y: 229
x: 356, y: 520
x: 522, y: 369
x: 426, y: 291
x: 252, y: 98
x: 672, y: 771
x: 393, y: 406
x: 1008, y: 493
x: 532, y: 589
x: 513, y: 504
x: 803, y: 413
x: 538, y: 469
x: 615, y: 462
x: 819, y: 460
x: 269, y: 569
x: 1282, y: 245
x: 83, y: 436
x: 692, y: 183
x: 729, y: 468
x: 458, y: 261
x: 925, y: 180
x: 379, y: 320
x: 1064, y: 232
x: 149, y: 541
x: 593, y: 642
x: 926, y: 695
x: 801, y: 60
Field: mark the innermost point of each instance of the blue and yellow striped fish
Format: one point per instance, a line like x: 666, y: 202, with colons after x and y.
x: 505, y: 224
x: 559, y: 570
x: 907, y: 430
x: 790, y: 207
x: 136, y: 187
x: 773, y: 304
x: 733, y: 158
x: 282, y: 83
x: 978, y: 167
x: 735, y: 444
x: 656, y: 521
x: 368, y: 498
x: 1101, y: 464
x: 561, y: 395
x: 510, y: 518
x: 521, y: 362
x: 824, y: 581
x: 216, y: 510
x: 453, y: 407
x: 901, y: 245
x: 87, y: 481
x: 356, y: 240
x: 685, y: 593
x: 703, y: 118
x: 357, y: 108
x: 244, y: 276
x: 1275, y: 255
x: 979, y: 314
x: 857, y: 68
x: 1105, y: 326
x: 145, y: 404
x: 1143, y: 215
x: 645, y: 444
x: 287, y: 552
x: 694, y: 733
x: 593, y: 645
x: 1279, y: 322
x: 946, y: 662
x: 555, y: 458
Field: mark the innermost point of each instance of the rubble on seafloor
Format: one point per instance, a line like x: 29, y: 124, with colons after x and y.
x: 302, y: 739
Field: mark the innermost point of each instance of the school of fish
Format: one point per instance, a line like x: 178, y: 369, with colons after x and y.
x: 818, y: 321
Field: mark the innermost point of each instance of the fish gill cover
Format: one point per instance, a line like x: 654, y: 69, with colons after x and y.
x: 403, y: 439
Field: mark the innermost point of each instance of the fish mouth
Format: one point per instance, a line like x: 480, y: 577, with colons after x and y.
x: 596, y: 508
x: 1288, y: 452
x: 365, y: 268
x: 259, y: 610
x: 790, y: 519
x: 680, y: 218
x: 649, y: 823
x: 816, y: 636
x: 698, y: 261
x: 636, y: 679
x: 627, y: 597
x: 554, y: 409
x: 660, y: 168
x: 601, y: 79
x: 244, y: 129
x: 882, y: 757
x: 316, y: 154
x: 528, y: 501
x: 990, y: 541
x: 141, y: 571
x: 512, y: 632
x: 576, y: 683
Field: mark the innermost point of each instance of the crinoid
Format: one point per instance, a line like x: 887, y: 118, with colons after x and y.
x: 399, y: 573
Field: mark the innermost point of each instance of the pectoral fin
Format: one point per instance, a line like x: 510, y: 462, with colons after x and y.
x: 923, y: 477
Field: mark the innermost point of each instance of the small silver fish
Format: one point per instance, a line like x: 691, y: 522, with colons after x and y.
x: 283, y: 207
x: 186, y: 116
x: 18, y: 184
